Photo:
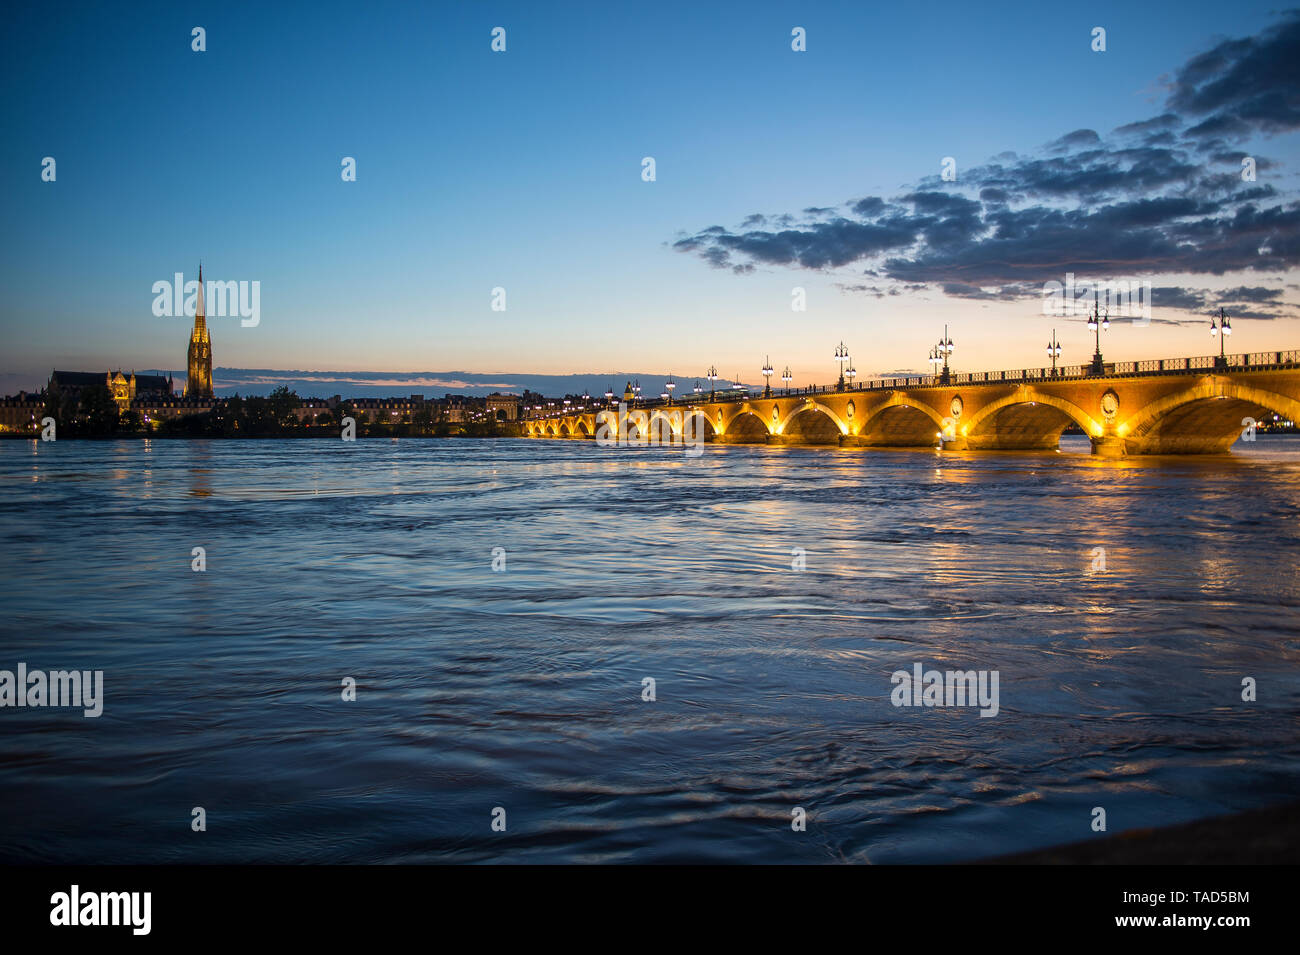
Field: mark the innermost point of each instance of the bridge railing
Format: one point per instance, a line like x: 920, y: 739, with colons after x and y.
x: 1254, y: 361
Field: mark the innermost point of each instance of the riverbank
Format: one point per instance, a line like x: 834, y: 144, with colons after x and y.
x: 322, y: 435
x: 1259, y: 837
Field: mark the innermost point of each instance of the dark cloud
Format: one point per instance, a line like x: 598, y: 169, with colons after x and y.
x: 1256, y: 293
x: 869, y: 207
x: 1237, y: 302
x: 1244, y: 85
x: 1156, y: 200
x: 1164, y: 123
x: 1080, y: 137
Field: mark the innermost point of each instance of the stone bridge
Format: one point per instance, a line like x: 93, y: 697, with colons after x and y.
x: 1171, y: 406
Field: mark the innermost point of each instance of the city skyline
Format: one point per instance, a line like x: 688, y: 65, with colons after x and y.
x: 759, y: 189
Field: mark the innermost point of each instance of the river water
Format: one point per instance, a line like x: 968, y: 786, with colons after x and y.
x: 769, y: 593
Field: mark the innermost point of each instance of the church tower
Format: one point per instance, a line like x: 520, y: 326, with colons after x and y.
x: 198, y: 383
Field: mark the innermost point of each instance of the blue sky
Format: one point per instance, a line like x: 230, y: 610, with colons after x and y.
x: 522, y: 170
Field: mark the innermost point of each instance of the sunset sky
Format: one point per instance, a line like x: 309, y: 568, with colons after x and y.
x: 522, y: 169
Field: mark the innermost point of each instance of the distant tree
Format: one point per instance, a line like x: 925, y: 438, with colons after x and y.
x: 259, y: 417
x: 54, y: 405
x: 283, y: 404
x: 231, y: 416
x: 423, y: 419
x: 100, y: 409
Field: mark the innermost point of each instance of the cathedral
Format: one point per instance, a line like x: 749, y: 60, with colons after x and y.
x: 198, y: 379
x: 126, y: 389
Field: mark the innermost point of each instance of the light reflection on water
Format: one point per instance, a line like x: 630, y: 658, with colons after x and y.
x: 522, y: 689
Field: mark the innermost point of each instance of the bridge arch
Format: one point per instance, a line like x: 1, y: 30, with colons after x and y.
x: 746, y: 427
x: 1026, y: 420
x: 1206, y: 418
x: 606, y: 425
x: 812, y: 422
x: 696, y: 425
x: 666, y: 426
x: 901, y: 421
x: 637, y: 425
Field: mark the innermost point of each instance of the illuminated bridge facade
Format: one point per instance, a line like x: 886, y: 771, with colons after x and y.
x: 1169, y: 406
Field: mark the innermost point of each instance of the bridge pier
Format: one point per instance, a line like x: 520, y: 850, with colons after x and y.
x: 1109, y: 446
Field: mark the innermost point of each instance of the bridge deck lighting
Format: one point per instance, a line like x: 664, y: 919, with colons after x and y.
x: 1097, y: 324
x: 941, y: 353
x: 1226, y: 328
x: 1053, y: 351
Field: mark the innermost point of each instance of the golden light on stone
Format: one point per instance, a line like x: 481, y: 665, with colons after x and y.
x: 1024, y: 415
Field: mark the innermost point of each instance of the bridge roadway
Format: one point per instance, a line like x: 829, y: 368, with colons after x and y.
x: 1169, y: 406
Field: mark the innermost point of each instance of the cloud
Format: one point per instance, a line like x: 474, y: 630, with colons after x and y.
x: 1080, y: 137
x: 1237, y: 302
x: 1151, y: 199
x: 1244, y: 85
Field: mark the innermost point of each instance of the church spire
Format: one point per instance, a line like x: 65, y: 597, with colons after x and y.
x: 199, y: 322
x: 198, y: 380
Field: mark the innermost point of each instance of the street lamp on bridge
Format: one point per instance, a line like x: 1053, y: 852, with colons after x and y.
x: 850, y: 373
x: 942, y: 351
x: 1222, y: 360
x: 669, y: 385
x: 787, y: 378
x: 1098, y: 366
x: 609, y: 396
x: 1053, y: 351
x: 713, y: 378
x: 841, y: 356
x: 767, y: 377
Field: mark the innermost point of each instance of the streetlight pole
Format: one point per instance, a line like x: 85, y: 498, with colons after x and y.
x: 1096, y: 324
x: 841, y: 356
x: 945, y: 349
x: 850, y: 373
x: 1226, y: 328
x: 713, y: 378
x: 1053, y: 351
x: 767, y: 378
x: 787, y: 378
